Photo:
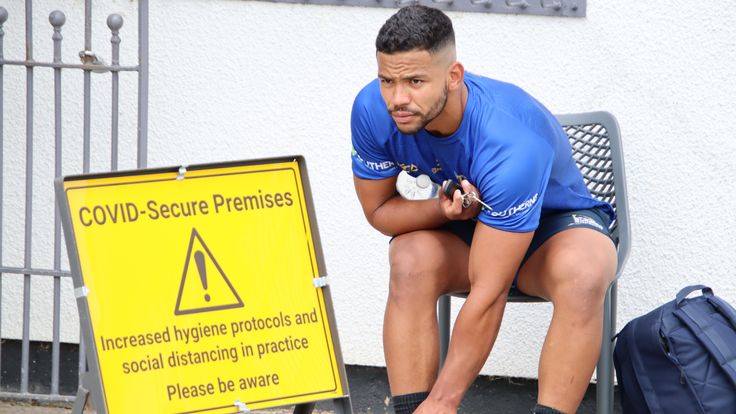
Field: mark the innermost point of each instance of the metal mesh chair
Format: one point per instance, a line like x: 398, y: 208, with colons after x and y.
x: 596, y: 147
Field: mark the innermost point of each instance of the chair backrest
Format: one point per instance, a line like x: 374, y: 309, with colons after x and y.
x: 596, y: 148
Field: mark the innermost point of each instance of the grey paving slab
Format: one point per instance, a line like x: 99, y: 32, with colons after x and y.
x: 10, y: 407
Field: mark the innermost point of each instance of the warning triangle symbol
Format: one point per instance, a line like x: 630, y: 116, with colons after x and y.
x: 204, y: 286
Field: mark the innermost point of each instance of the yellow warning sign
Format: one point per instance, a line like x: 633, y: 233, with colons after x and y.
x: 200, y: 291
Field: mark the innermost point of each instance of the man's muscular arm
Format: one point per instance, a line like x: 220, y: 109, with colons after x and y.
x: 391, y: 214
x: 494, y: 258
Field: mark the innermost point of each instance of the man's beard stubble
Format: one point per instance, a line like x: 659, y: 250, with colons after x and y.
x: 425, y: 119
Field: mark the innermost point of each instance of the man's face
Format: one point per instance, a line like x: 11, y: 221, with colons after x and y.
x: 414, y: 87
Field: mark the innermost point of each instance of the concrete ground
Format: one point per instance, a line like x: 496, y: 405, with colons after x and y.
x: 17, y: 408
x: 10, y: 407
x: 370, y: 395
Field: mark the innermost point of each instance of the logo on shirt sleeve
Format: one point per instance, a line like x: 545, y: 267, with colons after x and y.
x: 516, y: 209
x: 375, y: 166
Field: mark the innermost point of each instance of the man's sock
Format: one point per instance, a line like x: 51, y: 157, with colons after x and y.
x: 407, y: 403
x: 543, y: 409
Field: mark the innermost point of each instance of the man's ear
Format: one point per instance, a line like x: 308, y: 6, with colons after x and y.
x: 456, y: 73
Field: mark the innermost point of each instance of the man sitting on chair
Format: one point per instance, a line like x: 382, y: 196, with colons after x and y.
x: 542, y: 230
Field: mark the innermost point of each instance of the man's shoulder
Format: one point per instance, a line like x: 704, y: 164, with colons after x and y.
x: 512, y: 106
x: 369, y: 106
x: 369, y: 118
x: 490, y: 87
x: 369, y: 95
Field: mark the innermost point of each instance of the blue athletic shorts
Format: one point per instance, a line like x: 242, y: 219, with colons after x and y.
x: 550, y: 224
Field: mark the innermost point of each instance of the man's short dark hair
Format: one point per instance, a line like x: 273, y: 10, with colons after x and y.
x: 415, y: 27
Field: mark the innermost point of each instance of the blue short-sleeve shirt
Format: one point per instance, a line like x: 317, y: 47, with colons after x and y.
x: 508, y: 145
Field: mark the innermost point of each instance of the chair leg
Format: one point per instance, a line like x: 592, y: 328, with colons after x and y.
x: 604, y: 385
x: 443, y: 314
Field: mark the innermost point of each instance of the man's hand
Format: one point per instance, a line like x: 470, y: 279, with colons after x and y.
x: 430, y: 406
x: 453, y: 207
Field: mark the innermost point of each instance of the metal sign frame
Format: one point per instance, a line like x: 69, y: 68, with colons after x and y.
x: 91, y: 384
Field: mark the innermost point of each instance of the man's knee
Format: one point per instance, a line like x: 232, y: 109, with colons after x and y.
x: 413, y: 276
x: 580, y: 283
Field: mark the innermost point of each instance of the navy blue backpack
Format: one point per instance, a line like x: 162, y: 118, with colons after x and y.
x: 680, y: 358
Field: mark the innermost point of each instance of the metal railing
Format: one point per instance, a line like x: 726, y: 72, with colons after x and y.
x: 90, y: 63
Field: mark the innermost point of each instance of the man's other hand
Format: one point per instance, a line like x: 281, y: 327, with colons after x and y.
x: 430, y: 406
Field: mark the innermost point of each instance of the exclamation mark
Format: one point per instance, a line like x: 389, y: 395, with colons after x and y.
x: 199, y: 258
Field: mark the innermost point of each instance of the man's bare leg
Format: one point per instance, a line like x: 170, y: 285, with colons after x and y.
x: 572, y: 269
x: 424, y: 265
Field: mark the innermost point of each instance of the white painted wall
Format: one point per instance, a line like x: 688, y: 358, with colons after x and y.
x: 239, y: 79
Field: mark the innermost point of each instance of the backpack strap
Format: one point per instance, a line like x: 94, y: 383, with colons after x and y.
x: 702, y: 325
x: 724, y: 309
